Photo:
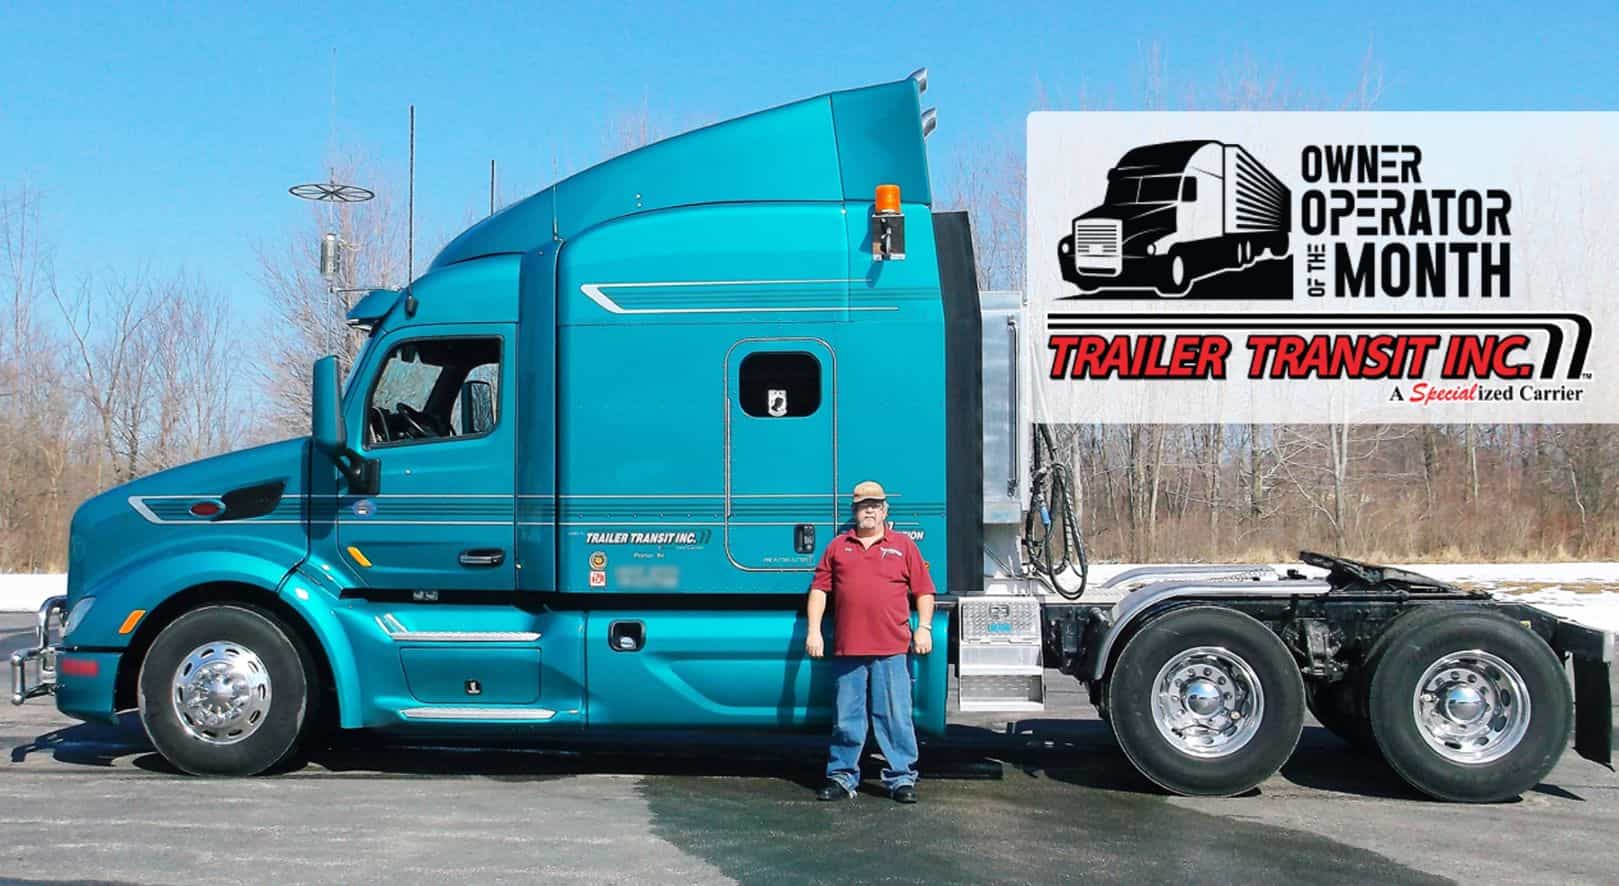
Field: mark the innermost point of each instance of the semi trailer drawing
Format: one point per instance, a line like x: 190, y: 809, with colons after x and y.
x: 667, y: 353
x: 1175, y: 212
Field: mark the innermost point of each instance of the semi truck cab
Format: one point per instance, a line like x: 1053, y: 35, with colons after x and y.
x: 579, y: 474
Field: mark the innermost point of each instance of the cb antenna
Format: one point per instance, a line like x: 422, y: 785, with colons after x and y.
x: 410, y: 207
x: 331, y: 192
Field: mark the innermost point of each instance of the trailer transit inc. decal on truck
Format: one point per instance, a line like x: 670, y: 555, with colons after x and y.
x: 1190, y: 267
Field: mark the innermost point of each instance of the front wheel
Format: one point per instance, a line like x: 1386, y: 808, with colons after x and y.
x: 1206, y: 701
x: 1177, y: 274
x: 225, y: 690
x: 1472, y: 708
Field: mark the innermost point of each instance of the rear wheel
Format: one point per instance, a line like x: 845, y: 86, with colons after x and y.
x: 1206, y: 701
x: 1342, y: 707
x: 1471, y: 708
x: 226, y: 690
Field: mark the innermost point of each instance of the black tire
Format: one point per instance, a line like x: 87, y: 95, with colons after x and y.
x: 1333, y: 706
x: 273, y: 736
x: 1393, y: 698
x: 1342, y: 707
x: 1132, y: 685
x: 1177, y: 276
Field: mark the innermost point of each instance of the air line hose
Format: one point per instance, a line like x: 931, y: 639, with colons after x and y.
x: 1055, y: 553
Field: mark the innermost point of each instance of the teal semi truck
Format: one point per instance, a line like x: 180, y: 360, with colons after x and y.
x: 580, y: 472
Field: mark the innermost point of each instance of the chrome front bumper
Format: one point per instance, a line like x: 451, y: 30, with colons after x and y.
x: 33, y: 671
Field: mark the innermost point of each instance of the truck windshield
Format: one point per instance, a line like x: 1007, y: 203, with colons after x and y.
x: 1160, y: 188
x: 1122, y: 190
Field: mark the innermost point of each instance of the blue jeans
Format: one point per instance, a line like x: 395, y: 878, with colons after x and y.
x: 887, y: 679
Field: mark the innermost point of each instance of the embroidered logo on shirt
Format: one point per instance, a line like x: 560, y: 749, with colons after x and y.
x: 894, y: 551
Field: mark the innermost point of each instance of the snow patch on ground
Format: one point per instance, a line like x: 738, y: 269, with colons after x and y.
x: 26, y: 593
x: 1599, y: 609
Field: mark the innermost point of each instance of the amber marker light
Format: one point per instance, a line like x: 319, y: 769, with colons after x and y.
x: 130, y: 622
x: 359, y: 557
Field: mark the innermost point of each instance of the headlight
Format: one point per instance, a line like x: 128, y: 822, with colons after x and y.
x: 77, y: 614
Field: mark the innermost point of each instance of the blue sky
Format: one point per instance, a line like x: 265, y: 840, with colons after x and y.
x: 167, y: 136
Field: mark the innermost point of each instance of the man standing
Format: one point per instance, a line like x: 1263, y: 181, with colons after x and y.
x: 871, y: 572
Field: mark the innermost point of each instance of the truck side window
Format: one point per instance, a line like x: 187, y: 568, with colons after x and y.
x: 435, y: 388
x: 780, y: 384
x: 1189, y: 190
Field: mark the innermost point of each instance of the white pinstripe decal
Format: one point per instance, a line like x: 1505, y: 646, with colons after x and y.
x: 593, y: 291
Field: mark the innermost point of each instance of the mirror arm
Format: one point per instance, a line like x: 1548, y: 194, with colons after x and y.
x: 363, y: 474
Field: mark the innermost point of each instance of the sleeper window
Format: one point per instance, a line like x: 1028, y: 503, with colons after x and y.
x: 784, y: 384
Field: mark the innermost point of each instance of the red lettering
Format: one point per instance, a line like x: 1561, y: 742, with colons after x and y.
x: 1339, y: 356
x: 1062, y: 344
x: 1485, y: 356
x: 1148, y: 356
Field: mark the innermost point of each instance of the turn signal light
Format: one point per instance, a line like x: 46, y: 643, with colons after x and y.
x: 130, y: 621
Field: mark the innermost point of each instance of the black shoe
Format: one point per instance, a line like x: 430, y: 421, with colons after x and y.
x: 834, y: 790
x: 905, y: 793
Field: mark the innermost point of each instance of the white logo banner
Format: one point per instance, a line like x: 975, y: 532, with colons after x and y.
x: 1191, y: 267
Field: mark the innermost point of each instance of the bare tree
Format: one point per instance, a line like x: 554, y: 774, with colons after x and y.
x: 990, y: 185
x: 129, y: 373
x: 35, y: 418
x: 632, y: 128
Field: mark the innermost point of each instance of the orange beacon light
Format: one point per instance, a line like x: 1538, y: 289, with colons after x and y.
x: 887, y: 225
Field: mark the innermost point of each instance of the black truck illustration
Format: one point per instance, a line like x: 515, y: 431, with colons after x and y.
x: 1175, y: 212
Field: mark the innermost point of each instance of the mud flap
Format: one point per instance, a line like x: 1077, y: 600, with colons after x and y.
x: 1592, y: 651
x: 1593, y: 712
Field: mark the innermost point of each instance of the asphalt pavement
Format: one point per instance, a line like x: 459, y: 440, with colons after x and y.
x: 1040, y: 800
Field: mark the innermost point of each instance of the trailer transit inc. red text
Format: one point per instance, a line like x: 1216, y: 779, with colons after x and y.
x: 1485, y: 356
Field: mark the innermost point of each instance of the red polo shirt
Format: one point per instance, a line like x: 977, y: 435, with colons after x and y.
x: 870, y: 589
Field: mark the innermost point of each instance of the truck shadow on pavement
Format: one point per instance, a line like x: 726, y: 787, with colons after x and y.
x: 88, y: 744
x: 1077, y: 752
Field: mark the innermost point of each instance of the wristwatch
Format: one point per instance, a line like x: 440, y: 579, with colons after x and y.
x: 924, y: 627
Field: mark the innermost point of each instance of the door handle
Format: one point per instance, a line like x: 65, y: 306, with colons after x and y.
x: 483, y: 557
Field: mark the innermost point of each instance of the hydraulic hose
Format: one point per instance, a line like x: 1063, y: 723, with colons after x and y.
x: 1054, y: 553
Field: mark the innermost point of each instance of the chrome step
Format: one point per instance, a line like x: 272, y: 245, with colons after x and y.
x: 508, y: 715
x: 999, y: 666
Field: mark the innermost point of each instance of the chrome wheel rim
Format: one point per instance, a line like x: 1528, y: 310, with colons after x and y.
x: 221, y: 692
x: 1471, y: 707
x: 1207, y: 702
x: 1177, y: 270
